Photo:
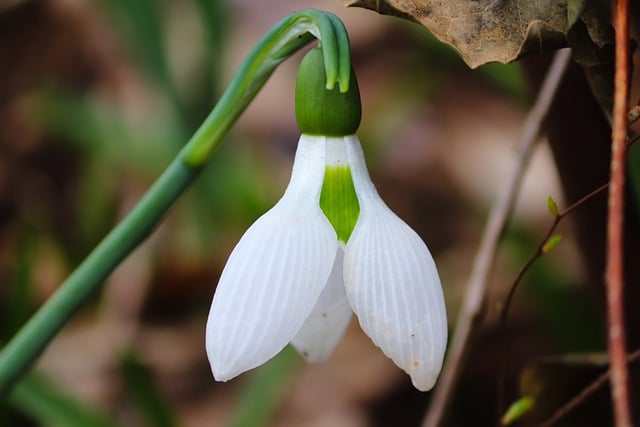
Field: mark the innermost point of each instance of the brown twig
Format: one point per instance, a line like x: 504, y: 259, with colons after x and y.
x: 539, y: 249
x: 500, y: 212
x: 504, y: 312
x: 581, y: 397
x: 615, y: 248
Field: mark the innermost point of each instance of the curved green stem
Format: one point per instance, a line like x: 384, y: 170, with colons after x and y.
x: 279, y: 43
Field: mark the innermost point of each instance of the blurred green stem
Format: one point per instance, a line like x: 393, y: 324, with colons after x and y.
x: 280, y: 42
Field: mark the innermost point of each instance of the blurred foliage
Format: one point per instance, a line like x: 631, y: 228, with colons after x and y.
x: 506, y: 77
x: 140, y: 383
x: 19, y: 290
x: 553, y: 381
x: 567, y: 314
x: 264, y: 391
x: 50, y: 406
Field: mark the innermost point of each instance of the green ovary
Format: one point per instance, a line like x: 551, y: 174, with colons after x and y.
x: 339, y: 202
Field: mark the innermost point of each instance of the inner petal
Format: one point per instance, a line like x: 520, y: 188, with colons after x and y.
x: 326, y: 324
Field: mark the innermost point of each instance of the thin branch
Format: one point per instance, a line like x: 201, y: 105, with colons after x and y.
x: 581, y: 397
x: 539, y: 250
x: 504, y: 312
x: 615, y: 224
x: 498, y: 217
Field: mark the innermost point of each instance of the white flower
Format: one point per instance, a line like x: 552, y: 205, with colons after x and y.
x: 290, y: 278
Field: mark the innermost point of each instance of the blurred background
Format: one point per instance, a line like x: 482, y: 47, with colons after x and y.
x: 96, y: 97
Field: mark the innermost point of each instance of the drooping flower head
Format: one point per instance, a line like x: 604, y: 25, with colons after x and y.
x: 329, y: 248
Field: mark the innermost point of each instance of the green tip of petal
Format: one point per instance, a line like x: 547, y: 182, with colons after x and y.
x: 322, y: 107
x: 339, y: 201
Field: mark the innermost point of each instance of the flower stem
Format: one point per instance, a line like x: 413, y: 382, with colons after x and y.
x: 278, y: 44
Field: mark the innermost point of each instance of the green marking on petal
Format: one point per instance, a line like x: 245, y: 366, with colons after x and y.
x: 339, y: 202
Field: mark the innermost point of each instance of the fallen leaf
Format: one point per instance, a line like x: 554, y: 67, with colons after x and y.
x: 484, y: 31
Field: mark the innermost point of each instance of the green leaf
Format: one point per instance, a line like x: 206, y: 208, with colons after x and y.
x: 100, y: 130
x: 20, y: 289
x: 552, y: 206
x: 553, y: 380
x: 551, y: 243
x: 48, y: 405
x: 215, y: 19
x: 149, y: 400
x: 508, y: 77
x: 517, y: 410
x: 141, y: 21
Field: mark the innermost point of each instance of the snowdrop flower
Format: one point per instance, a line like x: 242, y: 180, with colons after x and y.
x: 328, y: 248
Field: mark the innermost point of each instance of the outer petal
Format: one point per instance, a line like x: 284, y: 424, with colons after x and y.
x: 328, y: 320
x: 275, y: 274
x: 392, y: 283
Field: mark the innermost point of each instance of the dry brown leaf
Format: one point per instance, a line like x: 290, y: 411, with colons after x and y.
x: 487, y: 30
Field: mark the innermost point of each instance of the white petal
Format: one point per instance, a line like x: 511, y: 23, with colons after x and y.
x: 329, y: 319
x: 392, y: 283
x: 275, y: 274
